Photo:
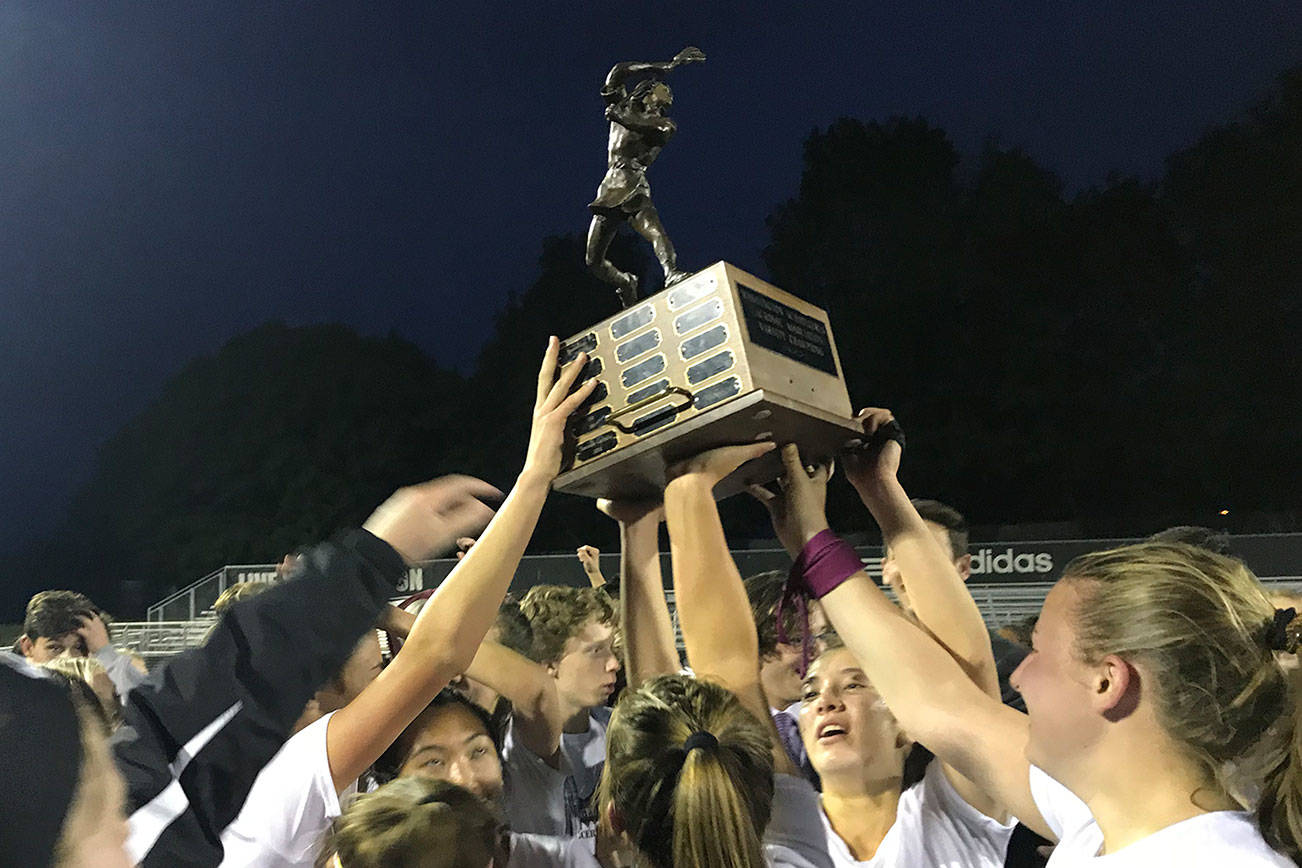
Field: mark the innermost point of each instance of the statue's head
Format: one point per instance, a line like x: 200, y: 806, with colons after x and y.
x: 654, y: 94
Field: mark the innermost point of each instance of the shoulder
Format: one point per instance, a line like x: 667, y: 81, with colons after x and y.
x: 292, y: 800
x: 796, y: 835
x: 934, y: 824
x: 536, y: 851
x: 1216, y: 839
x: 1064, y: 812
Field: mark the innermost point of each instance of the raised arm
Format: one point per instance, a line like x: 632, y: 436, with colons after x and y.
x: 622, y: 72
x: 713, y: 611
x: 648, y: 631
x: 940, y: 600
x: 590, y: 559
x: 536, y: 707
x: 931, y: 696
x: 451, y: 626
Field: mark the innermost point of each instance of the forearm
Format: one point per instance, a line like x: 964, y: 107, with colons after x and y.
x: 530, y: 689
x: 713, y: 611
x: 649, y: 647
x: 935, y: 702
x: 621, y: 72
x: 450, y: 627
x: 912, y: 673
x: 595, y: 578
x: 937, y: 594
x: 442, y: 642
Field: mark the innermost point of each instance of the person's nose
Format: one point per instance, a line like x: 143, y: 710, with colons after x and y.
x: 829, y: 699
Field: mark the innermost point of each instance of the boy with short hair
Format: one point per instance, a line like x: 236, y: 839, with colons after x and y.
x: 574, y: 631
x: 59, y: 623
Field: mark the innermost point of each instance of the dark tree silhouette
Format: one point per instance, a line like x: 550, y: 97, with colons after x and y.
x: 279, y: 439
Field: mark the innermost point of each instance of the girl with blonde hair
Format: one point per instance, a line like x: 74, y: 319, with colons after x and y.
x: 696, y: 775
x: 1157, y: 717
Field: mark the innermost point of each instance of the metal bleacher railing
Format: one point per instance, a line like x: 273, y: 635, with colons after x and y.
x: 182, y: 619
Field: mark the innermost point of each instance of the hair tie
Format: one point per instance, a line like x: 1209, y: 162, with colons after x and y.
x: 1279, y: 638
x: 700, y: 738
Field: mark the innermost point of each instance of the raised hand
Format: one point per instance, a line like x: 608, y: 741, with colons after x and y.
x: 803, y: 506
x: 868, y: 468
x: 714, y: 465
x: 589, y: 558
x: 424, y: 521
x: 93, y: 631
x: 464, y: 545
x: 690, y: 54
x: 552, y: 408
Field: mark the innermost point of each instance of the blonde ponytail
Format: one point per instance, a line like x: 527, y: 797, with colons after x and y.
x: 714, y: 822
x: 688, y: 775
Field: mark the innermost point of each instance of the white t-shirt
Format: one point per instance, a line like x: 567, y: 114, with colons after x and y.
x: 794, y: 837
x: 933, y: 826
x: 542, y: 800
x: 290, y: 807
x: 546, y: 851
x: 1215, y: 840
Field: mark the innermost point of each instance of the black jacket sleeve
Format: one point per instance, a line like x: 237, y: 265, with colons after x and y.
x: 202, y: 726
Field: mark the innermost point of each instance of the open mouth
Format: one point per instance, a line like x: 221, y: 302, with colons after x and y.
x: 829, y: 732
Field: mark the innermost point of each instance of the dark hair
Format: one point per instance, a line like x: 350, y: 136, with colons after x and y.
x: 389, y: 765
x: 947, y: 517
x: 513, y: 630
x: 1193, y: 535
x: 764, y: 590
x: 55, y: 613
x: 414, y: 822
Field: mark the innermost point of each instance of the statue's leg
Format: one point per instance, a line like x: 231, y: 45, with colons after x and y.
x: 601, y: 232
x: 647, y: 223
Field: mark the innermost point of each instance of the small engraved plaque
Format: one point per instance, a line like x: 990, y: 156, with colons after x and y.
x: 787, y: 331
x: 632, y: 321
x: 642, y: 371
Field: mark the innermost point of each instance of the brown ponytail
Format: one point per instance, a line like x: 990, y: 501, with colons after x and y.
x: 1279, y: 813
x: 703, y: 805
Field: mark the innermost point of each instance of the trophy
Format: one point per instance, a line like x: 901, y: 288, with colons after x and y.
x: 718, y: 357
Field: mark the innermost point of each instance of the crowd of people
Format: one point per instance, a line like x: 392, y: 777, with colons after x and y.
x: 810, y: 720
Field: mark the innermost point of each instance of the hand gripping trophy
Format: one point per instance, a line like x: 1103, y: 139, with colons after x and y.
x: 639, y: 130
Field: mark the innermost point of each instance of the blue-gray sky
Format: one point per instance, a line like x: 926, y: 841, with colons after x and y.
x: 176, y: 173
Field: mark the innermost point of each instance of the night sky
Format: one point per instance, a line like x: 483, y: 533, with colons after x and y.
x: 177, y: 173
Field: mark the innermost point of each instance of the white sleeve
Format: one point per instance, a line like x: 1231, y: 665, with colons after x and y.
x: 795, y: 835
x: 290, y: 808
x: 1062, y: 810
x: 120, y: 670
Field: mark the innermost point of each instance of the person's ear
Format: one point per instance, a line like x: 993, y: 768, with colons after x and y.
x: 615, y: 818
x: 1116, y: 688
x: 25, y: 645
x: 964, y: 566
